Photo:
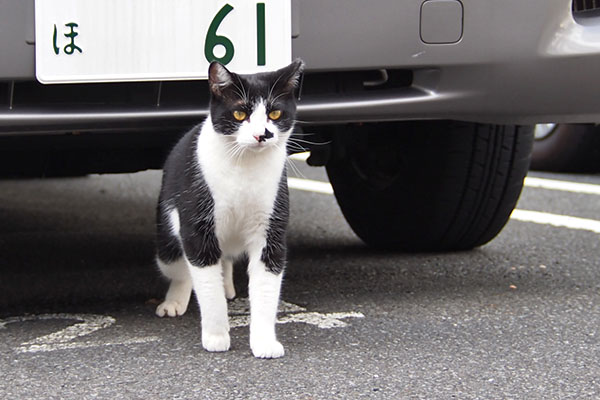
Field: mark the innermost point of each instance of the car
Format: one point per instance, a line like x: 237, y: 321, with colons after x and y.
x: 422, y: 111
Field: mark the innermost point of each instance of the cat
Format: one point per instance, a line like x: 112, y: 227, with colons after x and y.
x: 224, y: 195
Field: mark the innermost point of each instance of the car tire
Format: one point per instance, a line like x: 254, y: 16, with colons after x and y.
x: 568, y: 148
x: 429, y: 186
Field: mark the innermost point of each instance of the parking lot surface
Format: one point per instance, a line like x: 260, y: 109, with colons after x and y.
x: 516, y: 318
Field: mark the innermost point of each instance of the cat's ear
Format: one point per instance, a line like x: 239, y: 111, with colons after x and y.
x: 219, y: 78
x: 288, y: 77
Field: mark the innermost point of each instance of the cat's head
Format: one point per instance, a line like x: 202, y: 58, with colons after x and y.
x: 257, y: 111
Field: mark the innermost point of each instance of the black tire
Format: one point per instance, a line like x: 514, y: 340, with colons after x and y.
x: 429, y: 186
x: 568, y: 148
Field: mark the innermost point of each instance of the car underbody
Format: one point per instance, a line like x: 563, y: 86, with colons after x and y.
x: 385, y: 87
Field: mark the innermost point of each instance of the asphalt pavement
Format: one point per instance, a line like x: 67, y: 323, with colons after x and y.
x: 515, y: 319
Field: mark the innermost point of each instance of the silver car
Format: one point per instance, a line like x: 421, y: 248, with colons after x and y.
x: 419, y: 109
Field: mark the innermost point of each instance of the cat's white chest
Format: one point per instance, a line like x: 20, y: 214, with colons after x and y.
x: 243, y: 189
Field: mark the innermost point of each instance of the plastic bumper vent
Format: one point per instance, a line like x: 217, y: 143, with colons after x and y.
x: 584, y: 6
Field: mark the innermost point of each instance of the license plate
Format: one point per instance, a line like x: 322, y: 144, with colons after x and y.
x: 79, y: 41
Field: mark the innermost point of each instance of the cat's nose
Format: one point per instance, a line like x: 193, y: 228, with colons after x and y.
x: 264, y: 136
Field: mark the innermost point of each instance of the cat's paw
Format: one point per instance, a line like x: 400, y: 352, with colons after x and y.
x: 229, y: 291
x: 267, y: 348
x: 215, y: 342
x: 171, y: 308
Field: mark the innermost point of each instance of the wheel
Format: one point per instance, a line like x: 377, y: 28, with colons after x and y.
x: 566, y: 148
x: 429, y: 186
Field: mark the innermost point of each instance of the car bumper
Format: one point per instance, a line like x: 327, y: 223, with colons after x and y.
x: 514, y: 62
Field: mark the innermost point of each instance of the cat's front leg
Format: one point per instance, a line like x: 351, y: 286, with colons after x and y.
x: 210, y: 293
x: 264, y: 288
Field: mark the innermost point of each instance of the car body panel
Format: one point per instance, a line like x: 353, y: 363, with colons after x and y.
x: 516, y: 62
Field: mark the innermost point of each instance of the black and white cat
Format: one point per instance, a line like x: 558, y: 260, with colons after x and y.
x: 224, y: 194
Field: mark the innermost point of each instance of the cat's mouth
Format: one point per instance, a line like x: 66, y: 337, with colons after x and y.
x: 258, y: 146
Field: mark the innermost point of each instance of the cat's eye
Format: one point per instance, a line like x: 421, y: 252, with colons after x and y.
x: 275, y: 114
x: 239, y: 115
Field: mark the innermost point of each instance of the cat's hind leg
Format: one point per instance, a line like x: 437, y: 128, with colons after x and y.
x: 228, y: 278
x: 171, y: 262
x: 180, y: 288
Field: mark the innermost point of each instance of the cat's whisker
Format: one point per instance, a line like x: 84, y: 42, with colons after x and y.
x: 296, y: 146
x: 234, y: 152
x: 232, y: 143
x: 242, y: 89
x: 309, y: 142
x: 231, y: 148
x: 294, y: 168
x: 240, y: 95
x: 235, y: 157
x: 302, y: 134
x: 238, y: 154
x: 272, y: 88
x: 230, y: 151
x: 309, y: 134
x: 277, y: 97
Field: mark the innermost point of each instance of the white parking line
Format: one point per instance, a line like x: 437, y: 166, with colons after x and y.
x: 557, y: 220
x: 310, y: 185
x: 530, y: 181
x: 82, y: 325
x: 563, y: 221
x: 36, y: 348
x: 239, y: 311
x: 553, y: 184
x: 300, y: 156
x: 63, y: 339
